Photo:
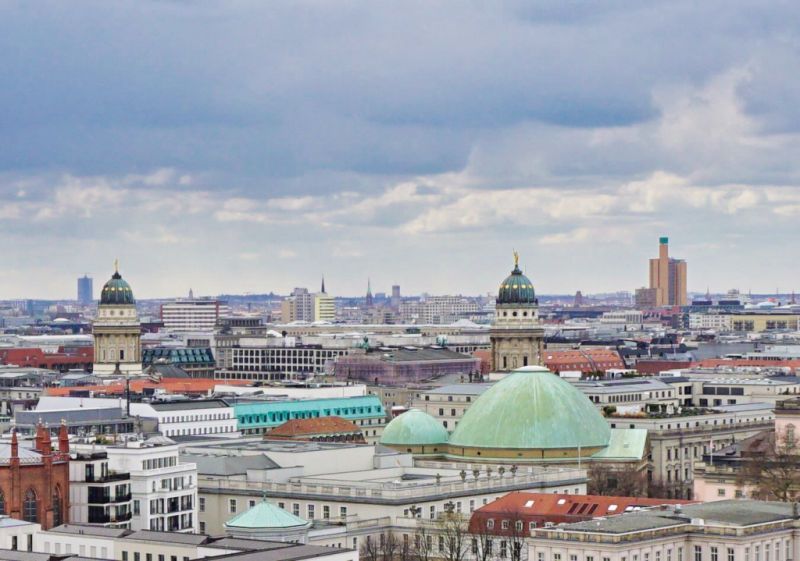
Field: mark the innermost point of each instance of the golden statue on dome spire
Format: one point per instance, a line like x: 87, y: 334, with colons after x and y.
x: 116, y: 265
x: 516, y: 258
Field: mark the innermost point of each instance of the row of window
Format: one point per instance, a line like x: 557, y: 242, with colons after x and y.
x: 200, y: 430
x: 162, y: 462
x: 310, y: 514
x: 201, y: 417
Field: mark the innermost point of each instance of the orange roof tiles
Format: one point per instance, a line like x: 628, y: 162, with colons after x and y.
x: 170, y: 385
x: 319, y: 425
x: 541, y: 508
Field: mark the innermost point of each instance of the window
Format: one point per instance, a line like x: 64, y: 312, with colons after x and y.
x: 490, y: 524
x: 757, y: 553
x: 714, y: 553
x: 731, y: 556
x: 326, y: 512
x: 311, y: 513
x: 58, y: 517
x: 149, y: 557
x: 698, y: 553
x: 232, y: 506
x: 136, y: 556
x: 2, y: 502
x: 518, y: 525
x: 202, y: 503
x: 251, y: 503
x: 504, y: 524
x: 503, y: 549
x: 296, y: 509
x: 720, y: 492
x: 342, y: 511
x: 540, y: 556
x: 30, y: 507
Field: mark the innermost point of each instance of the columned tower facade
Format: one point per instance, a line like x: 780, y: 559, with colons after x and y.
x: 117, y: 331
x: 516, y: 336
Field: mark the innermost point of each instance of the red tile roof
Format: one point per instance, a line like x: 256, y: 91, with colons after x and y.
x: 316, y: 426
x: 585, y: 360
x: 542, y: 508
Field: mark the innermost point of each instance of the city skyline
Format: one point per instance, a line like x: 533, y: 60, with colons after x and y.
x: 575, y: 136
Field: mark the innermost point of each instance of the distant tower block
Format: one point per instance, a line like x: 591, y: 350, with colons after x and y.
x: 668, y: 277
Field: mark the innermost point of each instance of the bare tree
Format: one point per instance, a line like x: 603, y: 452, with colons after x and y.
x: 453, y: 536
x: 772, y: 470
x: 625, y: 482
x: 370, y: 549
x: 423, y: 543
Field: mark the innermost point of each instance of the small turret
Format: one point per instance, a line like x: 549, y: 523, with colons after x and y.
x: 63, y: 438
x: 14, y: 445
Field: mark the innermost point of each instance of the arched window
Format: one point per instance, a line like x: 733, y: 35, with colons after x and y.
x: 2, y: 502
x: 58, y: 519
x: 30, y: 507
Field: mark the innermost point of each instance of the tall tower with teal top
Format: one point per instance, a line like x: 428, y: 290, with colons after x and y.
x: 516, y: 336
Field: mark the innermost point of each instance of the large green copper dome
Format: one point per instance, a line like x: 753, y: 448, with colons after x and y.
x: 414, y: 428
x: 116, y: 291
x: 516, y: 289
x: 531, y: 408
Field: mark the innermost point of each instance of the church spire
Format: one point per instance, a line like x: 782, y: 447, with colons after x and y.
x: 369, y: 292
x: 322, y: 289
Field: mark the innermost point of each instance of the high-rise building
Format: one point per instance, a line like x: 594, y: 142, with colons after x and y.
x: 192, y: 314
x: 298, y: 306
x: 324, y: 305
x: 85, y: 290
x: 396, y: 296
x: 668, y: 277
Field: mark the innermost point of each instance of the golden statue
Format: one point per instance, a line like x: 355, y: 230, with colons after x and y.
x: 116, y: 265
x: 516, y: 259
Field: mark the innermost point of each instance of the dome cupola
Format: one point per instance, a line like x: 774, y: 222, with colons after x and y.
x: 516, y: 288
x: 117, y: 291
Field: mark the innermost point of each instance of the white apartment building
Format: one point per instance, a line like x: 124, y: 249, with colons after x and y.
x: 195, y: 314
x: 98, y: 495
x: 715, y: 322
x: 163, y: 489
x: 204, y: 417
x: 438, y: 309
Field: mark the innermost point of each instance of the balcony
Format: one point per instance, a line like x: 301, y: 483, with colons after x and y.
x: 108, y: 477
x: 106, y: 499
x: 110, y: 519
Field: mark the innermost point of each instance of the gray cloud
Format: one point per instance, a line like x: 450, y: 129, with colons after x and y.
x: 364, y: 138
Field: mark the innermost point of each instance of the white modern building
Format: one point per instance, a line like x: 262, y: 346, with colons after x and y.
x: 163, y: 489
x: 98, y: 495
x: 205, y: 417
x: 192, y: 314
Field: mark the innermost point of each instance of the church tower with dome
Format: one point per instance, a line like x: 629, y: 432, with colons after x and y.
x: 117, y: 331
x: 516, y: 336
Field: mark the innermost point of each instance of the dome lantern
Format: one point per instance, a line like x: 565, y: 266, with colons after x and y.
x: 516, y: 288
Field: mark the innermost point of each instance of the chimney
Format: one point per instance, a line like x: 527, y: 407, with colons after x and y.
x: 38, y: 442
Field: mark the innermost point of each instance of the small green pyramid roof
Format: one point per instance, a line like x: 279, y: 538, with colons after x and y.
x: 265, y: 515
x: 414, y: 427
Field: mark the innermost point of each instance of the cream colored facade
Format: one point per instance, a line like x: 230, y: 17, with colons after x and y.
x: 324, y: 307
x: 117, y: 339
x: 517, y: 338
x: 723, y: 531
x: 677, y: 443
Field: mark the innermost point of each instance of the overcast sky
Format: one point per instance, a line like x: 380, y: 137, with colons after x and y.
x: 239, y: 146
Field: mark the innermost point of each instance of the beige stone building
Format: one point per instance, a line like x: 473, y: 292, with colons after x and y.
x: 116, y: 330
x: 516, y: 337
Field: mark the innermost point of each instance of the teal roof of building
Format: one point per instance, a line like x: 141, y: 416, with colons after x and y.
x: 116, y: 291
x: 532, y: 408
x: 266, y: 515
x: 414, y: 428
x: 516, y: 289
x: 188, y: 355
x: 274, y: 413
x: 624, y: 444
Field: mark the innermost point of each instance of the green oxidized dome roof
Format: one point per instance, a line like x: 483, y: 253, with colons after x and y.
x: 532, y: 408
x: 117, y: 291
x: 266, y: 515
x: 516, y: 289
x: 414, y: 428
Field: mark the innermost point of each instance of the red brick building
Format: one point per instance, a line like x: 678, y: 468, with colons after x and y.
x: 34, y: 483
x: 586, y: 361
x: 518, y: 513
x: 80, y: 358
